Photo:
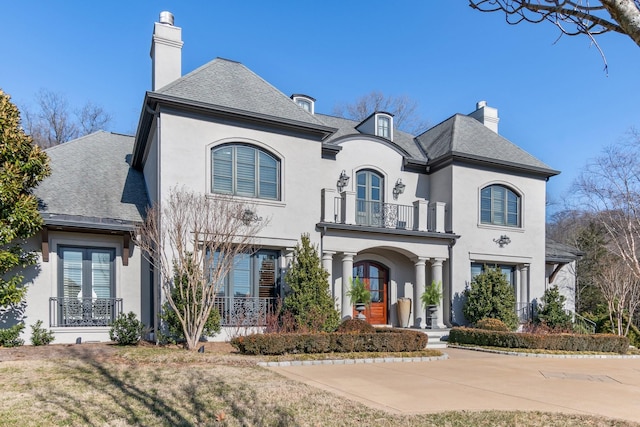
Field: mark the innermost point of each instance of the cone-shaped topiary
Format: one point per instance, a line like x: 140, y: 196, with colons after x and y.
x: 490, y: 295
x: 309, y: 300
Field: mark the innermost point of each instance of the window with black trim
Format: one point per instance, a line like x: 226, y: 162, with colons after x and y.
x: 86, y: 287
x: 243, y: 170
x: 500, y: 206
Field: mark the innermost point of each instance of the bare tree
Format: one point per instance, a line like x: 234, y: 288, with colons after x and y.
x: 91, y: 118
x: 54, y: 123
x: 572, y: 17
x: 621, y: 290
x: 403, y: 108
x: 196, y: 238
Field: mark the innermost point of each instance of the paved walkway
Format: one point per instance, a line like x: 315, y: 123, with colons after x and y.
x: 473, y: 381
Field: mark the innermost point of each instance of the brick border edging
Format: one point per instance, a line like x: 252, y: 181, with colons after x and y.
x: 351, y: 361
x: 556, y: 356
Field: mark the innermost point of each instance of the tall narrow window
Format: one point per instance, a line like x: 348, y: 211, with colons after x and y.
x: 369, y: 198
x: 499, y: 206
x: 246, y: 171
x: 384, y: 125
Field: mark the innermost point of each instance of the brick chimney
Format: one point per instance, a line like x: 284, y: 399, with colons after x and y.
x: 486, y: 115
x: 166, y: 52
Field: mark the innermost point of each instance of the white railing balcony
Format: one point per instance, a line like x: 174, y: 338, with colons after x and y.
x: 346, y: 209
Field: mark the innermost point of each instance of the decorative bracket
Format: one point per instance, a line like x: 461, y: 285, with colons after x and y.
x: 249, y: 216
x: 503, y: 240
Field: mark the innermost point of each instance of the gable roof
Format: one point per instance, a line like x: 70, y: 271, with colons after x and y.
x: 463, y: 137
x: 92, y: 185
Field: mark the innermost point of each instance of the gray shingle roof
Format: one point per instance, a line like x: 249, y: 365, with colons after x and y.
x: 348, y: 127
x: 91, y: 182
x: 232, y: 85
x: 465, y: 136
x: 558, y: 252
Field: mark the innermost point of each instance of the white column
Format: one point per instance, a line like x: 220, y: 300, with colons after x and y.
x: 420, y: 215
x: 328, y: 204
x: 436, y: 275
x: 524, y: 287
x: 418, y: 289
x: 327, y: 264
x: 288, y: 259
x: 347, y: 274
x: 349, y: 207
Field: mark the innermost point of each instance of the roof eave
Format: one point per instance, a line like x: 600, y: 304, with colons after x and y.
x: 449, y: 158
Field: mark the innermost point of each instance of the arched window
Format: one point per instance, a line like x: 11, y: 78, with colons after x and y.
x: 499, y: 206
x: 247, y: 171
x: 369, y: 190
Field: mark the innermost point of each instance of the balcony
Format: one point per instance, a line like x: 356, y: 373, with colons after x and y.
x: 83, y: 312
x: 244, y: 311
x: 422, y: 215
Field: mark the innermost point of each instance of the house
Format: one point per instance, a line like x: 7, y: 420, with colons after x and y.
x: 394, y: 209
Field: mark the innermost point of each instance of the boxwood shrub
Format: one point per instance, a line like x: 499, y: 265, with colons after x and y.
x: 380, y: 340
x: 567, y: 342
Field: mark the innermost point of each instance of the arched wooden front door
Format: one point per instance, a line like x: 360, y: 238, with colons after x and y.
x: 375, y: 276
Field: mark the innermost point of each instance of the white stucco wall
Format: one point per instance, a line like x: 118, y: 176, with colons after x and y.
x: 476, y: 244
x: 42, y: 283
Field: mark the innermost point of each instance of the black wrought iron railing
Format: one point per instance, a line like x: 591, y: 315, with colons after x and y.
x: 70, y: 312
x: 378, y: 214
x: 244, y: 311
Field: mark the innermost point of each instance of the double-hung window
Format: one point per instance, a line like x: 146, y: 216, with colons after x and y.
x: 86, y: 286
x: 243, y: 170
x: 500, y: 206
x: 384, y: 127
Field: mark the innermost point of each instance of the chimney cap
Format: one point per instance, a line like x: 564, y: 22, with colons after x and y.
x: 481, y: 104
x: 166, y: 18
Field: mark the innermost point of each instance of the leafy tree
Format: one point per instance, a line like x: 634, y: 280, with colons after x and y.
x: 552, y: 312
x: 490, y: 295
x: 309, y: 301
x: 403, y: 108
x: 578, y: 17
x: 22, y: 166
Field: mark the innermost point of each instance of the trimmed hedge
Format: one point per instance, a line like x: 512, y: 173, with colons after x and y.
x: 381, y: 340
x: 568, y: 342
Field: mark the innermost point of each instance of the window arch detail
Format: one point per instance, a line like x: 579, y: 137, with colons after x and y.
x: 245, y: 170
x: 499, y: 205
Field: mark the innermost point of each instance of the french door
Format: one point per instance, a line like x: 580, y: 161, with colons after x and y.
x: 369, y: 189
x: 375, y: 277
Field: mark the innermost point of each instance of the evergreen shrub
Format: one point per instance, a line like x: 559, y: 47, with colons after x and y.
x: 606, y: 343
x: 40, y: 335
x: 126, y: 329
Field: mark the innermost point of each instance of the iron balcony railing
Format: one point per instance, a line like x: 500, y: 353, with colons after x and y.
x: 524, y: 311
x: 70, y: 312
x: 244, y: 311
x: 378, y: 214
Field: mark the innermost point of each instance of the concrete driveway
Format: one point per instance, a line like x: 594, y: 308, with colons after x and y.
x: 473, y: 381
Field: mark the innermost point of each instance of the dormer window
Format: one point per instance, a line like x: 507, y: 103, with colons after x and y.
x: 384, y: 127
x: 306, y: 102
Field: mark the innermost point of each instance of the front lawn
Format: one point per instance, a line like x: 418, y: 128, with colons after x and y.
x: 103, y: 385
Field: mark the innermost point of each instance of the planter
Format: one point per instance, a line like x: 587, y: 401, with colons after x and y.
x: 432, y: 316
x: 360, y: 308
x: 403, y: 311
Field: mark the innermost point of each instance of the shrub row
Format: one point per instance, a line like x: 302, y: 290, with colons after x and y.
x: 381, y: 340
x: 568, y: 342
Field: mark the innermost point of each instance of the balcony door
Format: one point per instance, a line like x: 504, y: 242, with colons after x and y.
x: 375, y: 277
x: 369, y: 189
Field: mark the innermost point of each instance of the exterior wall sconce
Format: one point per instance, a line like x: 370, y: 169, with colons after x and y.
x: 249, y: 216
x: 503, y: 240
x: 343, y: 180
x: 398, y: 188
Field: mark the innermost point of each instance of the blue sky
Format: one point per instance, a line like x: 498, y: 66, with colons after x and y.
x: 554, y: 98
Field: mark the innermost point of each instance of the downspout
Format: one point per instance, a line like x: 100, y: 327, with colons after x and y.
x: 447, y: 321
x: 157, y: 286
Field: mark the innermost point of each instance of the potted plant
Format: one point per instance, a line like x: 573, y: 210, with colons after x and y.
x: 360, y: 296
x: 430, y: 298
